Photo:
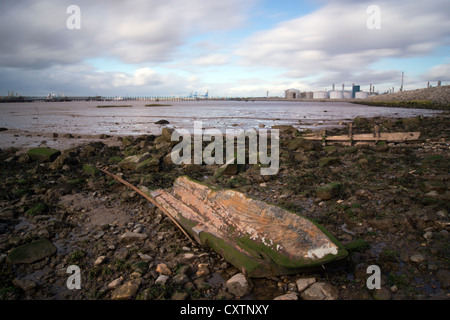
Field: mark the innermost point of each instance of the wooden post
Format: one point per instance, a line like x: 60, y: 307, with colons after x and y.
x: 376, y: 132
x: 350, y: 132
x: 324, y: 138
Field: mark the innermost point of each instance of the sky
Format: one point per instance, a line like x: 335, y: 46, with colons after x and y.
x: 230, y: 48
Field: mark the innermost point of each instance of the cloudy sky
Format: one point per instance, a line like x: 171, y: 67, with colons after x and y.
x: 231, y: 48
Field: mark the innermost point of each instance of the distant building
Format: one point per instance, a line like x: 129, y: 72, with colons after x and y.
x: 307, y: 95
x: 361, y: 95
x: 292, y: 94
x: 320, y: 95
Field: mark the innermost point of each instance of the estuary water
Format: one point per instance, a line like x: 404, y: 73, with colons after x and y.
x: 85, y: 118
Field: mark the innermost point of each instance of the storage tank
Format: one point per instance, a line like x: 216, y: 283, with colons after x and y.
x: 336, y: 95
x: 347, y: 94
x: 361, y: 95
x: 292, y: 94
x: 320, y: 95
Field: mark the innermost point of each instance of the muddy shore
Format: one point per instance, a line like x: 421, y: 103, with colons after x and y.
x: 391, y: 210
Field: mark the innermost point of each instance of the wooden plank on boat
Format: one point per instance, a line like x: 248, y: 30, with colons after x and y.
x: 262, y: 239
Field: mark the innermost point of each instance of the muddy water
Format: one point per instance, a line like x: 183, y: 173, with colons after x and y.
x: 29, y: 124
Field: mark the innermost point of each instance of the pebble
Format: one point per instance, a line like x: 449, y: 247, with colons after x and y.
x: 145, y: 257
x: 237, y: 285
x: 428, y: 235
x: 202, y: 272
x: 162, y: 279
x: 320, y: 291
x: 288, y: 296
x: 418, y: 258
x: 304, y: 283
x: 126, y: 291
x: 188, y: 256
x: 115, y: 283
x: 99, y: 260
x: 162, y: 268
x: 382, y: 294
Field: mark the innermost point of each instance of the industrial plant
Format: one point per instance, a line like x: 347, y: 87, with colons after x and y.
x: 354, y: 93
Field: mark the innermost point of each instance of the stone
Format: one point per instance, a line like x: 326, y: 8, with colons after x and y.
x: 320, y: 291
x: 25, y: 284
x: 91, y: 170
x: 428, y: 235
x: 126, y: 291
x: 166, y: 134
x: 287, y: 296
x: 145, y: 257
x: 417, y: 258
x: 32, y: 252
x: 328, y: 161
x: 328, y: 191
x: 162, y: 122
x: 180, y: 278
x: 162, y: 279
x: 382, y: 294
x: 237, y: 285
x: 132, y: 236
x: 43, y: 154
x: 163, y: 269
x: 99, y: 260
x: 115, y: 283
x: 179, y: 296
x: 444, y: 278
x: 201, y: 272
x: 304, y: 283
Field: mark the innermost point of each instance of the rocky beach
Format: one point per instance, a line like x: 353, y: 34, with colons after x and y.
x: 388, y: 203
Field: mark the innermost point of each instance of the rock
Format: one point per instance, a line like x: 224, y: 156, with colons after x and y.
x: 230, y: 168
x: 43, y: 154
x: 418, y: 258
x: 179, y: 296
x: 126, y: 291
x: 304, y: 283
x: 382, y: 294
x: 237, y: 285
x: 444, y: 278
x: 126, y: 142
x: 90, y: 170
x: 428, y: 235
x: 146, y: 162
x: 32, y: 252
x: 287, y: 296
x: 189, y: 256
x: 328, y: 191
x: 162, y: 279
x: 201, y: 272
x: 320, y: 291
x: 145, y: 257
x: 180, y: 278
x: 163, y: 269
x: 25, y: 284
x: 132, y: 236
x: 99, y: 260
x: 115, y: 283
x: 328, y: 161
x: 3, y: 258
x: 162, y: 122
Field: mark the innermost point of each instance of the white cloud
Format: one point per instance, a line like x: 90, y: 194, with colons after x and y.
x: 34, y: 33
x: 336, y: 39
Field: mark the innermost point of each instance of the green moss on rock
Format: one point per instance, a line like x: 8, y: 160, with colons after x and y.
x: 43, y: 154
